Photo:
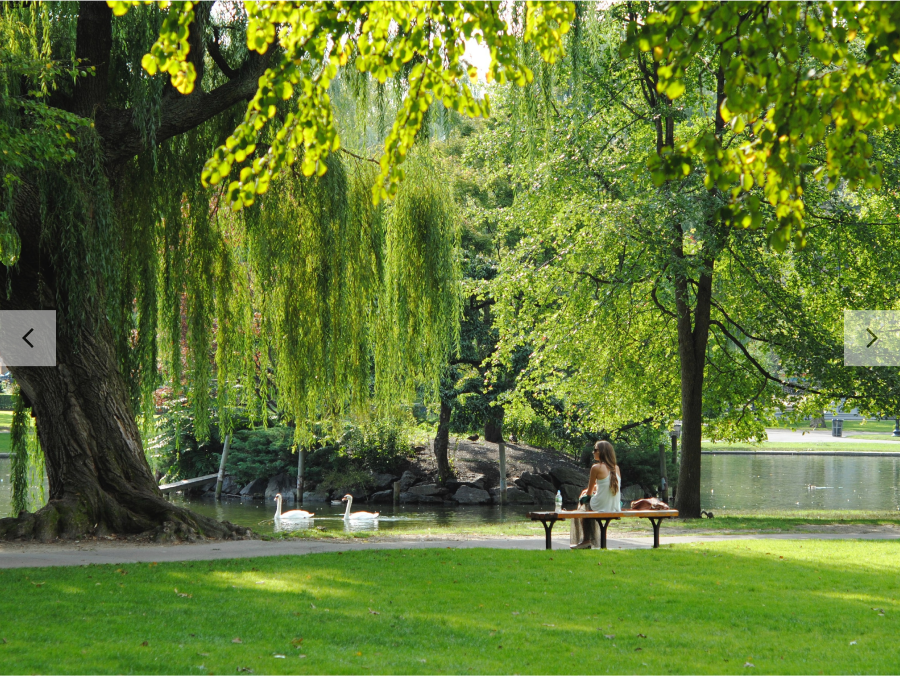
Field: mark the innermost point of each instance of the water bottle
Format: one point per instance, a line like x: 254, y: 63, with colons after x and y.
x: 558, y: 501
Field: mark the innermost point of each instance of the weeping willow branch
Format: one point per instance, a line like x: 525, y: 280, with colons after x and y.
x: 358, y: 157
x: 18, y: 446
x: 314, y: 300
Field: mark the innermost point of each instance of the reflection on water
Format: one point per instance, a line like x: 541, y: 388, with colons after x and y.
x: 329, y: 523
x: 260, y: 515
x: 800, y: 482
x: 740, y: 482
x: 283, y: 526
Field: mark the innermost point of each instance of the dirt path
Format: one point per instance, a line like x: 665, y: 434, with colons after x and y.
x: 38, y: 555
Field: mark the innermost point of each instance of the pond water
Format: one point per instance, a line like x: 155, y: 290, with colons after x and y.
x: 258, y: 515
x: 739, y: 482
x: 804, y: 482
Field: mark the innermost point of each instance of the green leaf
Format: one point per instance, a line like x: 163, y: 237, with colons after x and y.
x: 675, y: 89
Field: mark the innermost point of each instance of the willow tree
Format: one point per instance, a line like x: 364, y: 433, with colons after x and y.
x: 122, y: 128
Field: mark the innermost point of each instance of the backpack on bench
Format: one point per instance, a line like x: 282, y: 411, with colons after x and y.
x: 648, y: 504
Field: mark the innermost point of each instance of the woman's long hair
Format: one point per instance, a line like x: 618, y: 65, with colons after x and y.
x: 608, y: 456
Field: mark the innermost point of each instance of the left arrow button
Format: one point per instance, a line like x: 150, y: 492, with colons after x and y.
x: 28, y: 338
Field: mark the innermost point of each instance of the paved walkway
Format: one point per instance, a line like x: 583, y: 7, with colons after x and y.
x: 35, y: 555
x: 823, y: 436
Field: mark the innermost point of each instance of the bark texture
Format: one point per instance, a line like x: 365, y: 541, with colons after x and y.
x: 692, y: 342
x: 99, y: 479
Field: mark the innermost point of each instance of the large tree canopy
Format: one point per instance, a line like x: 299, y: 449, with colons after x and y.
x: 193, y: 179
x: 638, y: 299
x: 311, y: 294
x: 804, y: 87
x: 424, y: 41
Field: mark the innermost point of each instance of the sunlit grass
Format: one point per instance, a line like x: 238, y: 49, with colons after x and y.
x: 782, y: 606
x: 522, y: 527
x: 881, y: 426
x: 783, y: 521
x: 5, y: 422
x: 768, y: 521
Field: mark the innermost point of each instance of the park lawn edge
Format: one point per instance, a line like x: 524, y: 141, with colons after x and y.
x: 724, y: 521
x: 792, y: 607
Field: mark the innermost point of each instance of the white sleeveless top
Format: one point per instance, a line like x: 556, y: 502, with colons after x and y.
x: 605, y: 501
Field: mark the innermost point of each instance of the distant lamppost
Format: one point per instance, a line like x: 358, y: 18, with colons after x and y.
x: 675, y: 433
x: 896, y: 432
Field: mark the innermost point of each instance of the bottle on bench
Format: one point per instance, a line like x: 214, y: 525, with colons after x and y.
x: 558, y: 501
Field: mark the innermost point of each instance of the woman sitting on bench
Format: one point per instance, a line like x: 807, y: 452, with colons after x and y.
x: 603, y: 485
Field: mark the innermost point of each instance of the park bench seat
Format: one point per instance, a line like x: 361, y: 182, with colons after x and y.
x: 656, y: 516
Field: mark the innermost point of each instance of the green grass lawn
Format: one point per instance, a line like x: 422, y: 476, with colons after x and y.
x: 773, y: 521
x: 782, y: 606
x: 881, y: 426
x: 776, y: 521
x: 5, y: 422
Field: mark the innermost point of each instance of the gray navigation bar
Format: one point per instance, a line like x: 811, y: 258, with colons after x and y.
x: 28, y: 337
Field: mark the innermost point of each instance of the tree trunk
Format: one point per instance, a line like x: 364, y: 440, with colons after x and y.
x: 99, y: 478
x: 493, y: 428
x: 692, y: 341
x: 442, y: 442
x: 100, y: 481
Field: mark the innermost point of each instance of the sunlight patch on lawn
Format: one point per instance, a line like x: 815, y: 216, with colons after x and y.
x: 483, y: 611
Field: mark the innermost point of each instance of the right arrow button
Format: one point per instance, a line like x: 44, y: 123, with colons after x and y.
x: 869, y: 331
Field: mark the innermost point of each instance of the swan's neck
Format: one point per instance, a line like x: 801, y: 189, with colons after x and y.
x: 278, y: 509
x: 349, y: 503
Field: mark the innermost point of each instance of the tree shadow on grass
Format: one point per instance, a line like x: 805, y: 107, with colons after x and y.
x: 783, y: 606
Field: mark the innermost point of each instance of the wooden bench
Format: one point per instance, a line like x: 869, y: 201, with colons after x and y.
x: 656, y: 516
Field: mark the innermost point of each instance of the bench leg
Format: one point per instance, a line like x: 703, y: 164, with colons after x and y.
x: 604, y: 524
x: 548, y: 529
x: 656, y: 522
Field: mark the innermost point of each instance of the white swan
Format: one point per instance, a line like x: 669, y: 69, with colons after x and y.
x: 293, y: 515
x: 357, y: 516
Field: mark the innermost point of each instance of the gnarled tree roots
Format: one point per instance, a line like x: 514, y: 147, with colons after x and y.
x: 68, y: 519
